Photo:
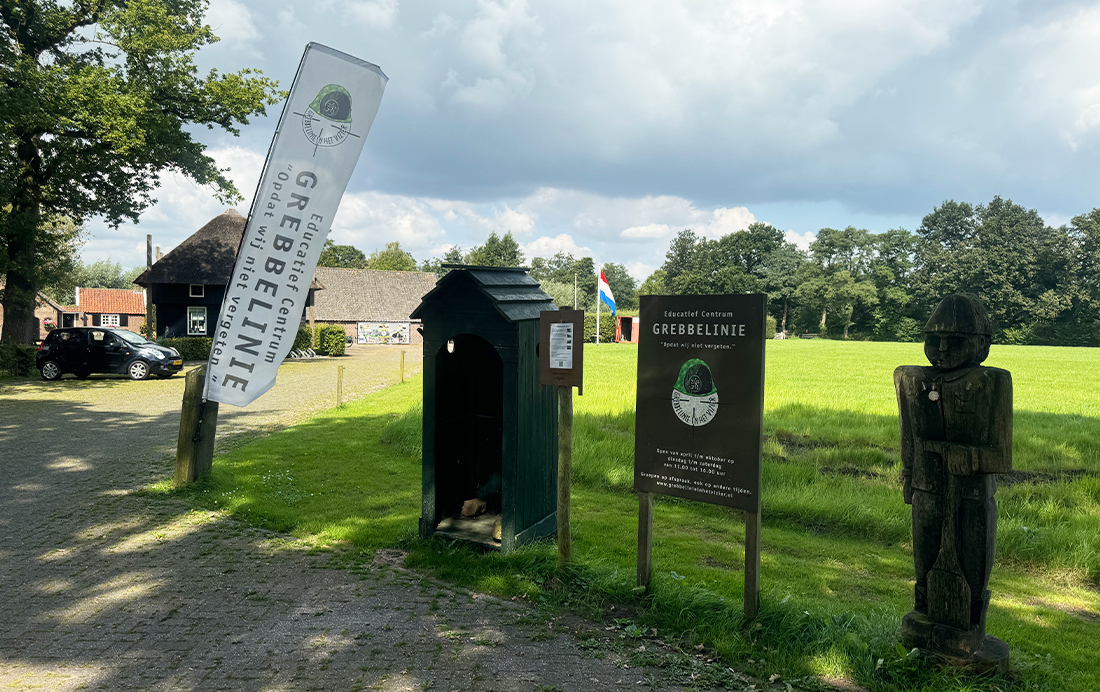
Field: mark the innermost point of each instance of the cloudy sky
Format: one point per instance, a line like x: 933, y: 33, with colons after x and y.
x: 603, y: 127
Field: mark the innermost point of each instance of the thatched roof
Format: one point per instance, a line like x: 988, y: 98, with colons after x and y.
x: 360, y: 295
x: 206, y: 257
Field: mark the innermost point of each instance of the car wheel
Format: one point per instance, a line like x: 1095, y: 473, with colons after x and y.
x: 82, y: 375
x: 51, y: 370
x: 165, y: 375
x: 138, y: 370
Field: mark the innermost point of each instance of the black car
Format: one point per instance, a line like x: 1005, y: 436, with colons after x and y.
x: 86, y: 350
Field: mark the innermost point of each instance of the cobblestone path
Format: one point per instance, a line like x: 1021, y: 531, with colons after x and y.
x: 103, y: 586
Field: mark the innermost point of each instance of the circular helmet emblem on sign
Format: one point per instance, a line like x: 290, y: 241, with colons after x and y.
x: 695, y: 398
x: 327, y: 121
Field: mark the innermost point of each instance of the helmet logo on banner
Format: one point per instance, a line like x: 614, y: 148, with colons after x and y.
x: 327, y: 121
x: 695, y: 398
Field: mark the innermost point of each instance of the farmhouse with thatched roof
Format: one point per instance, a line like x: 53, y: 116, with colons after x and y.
x: 187, y: 286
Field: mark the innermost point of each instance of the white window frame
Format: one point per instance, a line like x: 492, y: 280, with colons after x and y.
x: 108, y: 320
x: 196, y: 310
x: 199, y: 293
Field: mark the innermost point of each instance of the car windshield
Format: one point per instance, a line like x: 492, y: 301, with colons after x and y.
x: 132, y: 337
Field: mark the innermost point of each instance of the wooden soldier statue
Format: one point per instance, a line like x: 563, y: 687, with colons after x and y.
x: 956, y: 435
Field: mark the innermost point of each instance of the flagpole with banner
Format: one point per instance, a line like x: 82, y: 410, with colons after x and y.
x: 330, y: 109
x: 603, y: 291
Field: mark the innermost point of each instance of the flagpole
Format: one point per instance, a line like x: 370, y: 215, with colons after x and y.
x: 598, y: 301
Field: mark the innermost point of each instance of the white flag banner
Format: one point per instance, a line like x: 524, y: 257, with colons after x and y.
x: 330, y: 109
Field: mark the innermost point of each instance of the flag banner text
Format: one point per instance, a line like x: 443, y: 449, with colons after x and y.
x: 328, y: 114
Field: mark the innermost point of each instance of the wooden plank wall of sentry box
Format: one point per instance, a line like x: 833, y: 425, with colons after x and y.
x: 484, y: 408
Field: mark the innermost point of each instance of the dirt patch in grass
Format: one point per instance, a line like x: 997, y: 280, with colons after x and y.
x: 795, y: 444
x: 1079, y: 613
x: 1041, y: 477
x: 850, y: 471
x: 709, y: 561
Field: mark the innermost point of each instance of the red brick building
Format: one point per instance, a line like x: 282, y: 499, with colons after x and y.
x: 106, y: 307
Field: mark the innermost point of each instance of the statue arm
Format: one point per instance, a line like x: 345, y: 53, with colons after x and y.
x: 907, y: 442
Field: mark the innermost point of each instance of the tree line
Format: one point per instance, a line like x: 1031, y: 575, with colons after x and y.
x: 1040, y: 284
x: 568, y: 280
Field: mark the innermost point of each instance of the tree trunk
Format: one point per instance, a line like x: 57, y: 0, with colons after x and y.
x: 823, y: 310
x: 784, y: 327
x: 22, y: 233
x: 848, y: 321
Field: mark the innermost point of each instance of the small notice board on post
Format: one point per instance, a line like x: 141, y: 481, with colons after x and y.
x: 700, y: 408
x: 561, y: 348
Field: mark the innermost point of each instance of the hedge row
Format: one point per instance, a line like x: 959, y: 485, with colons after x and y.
x: 330, y: 340
x: 607, y: 327
x: 17, y: 360
x: 303, y: 339
x: 189, y: 347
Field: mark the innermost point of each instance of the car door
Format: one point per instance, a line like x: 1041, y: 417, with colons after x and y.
x: 116, y: 353
x: 96, y: 359
x: 72, y: 350
x: 60, y: 349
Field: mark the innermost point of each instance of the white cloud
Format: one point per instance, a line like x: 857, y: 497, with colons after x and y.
x: 648, y: 231
x: 231, y: 21
x: 640, y: 270
x: 725, y: 221
x: 376, y: 14
x: 802, y: 240
x: 548, y: 247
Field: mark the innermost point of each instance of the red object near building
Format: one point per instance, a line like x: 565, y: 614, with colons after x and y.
x: 626, y: 329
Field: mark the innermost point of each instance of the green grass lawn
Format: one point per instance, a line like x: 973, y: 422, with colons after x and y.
x: 837, y: 561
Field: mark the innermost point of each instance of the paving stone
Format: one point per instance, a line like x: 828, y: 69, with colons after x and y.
x: 108, y: 588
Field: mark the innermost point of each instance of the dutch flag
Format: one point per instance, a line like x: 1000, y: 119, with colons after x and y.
x: 605, y: 293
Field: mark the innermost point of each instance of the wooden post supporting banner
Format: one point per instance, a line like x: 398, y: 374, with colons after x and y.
x: 198, y: 425
x: 645, y: 538
x: 150, y: 328
x: 402, y: 366
x: 339, y: 385
x: 565, y: 473
x: 752, y: 564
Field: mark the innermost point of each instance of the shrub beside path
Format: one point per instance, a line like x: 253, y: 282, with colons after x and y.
x: 107, y: 587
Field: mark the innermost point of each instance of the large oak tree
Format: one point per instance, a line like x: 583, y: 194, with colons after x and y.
x: 96, y: 101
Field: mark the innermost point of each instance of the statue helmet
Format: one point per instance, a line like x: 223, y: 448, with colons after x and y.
x: 960, y: 313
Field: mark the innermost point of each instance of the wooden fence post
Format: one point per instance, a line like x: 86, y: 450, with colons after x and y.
x: 402, y: 366
x: 198, y: 425
x: 339, y: 386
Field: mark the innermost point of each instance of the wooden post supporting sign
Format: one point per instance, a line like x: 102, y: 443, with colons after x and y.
x: 565, y: 474
x: 645, y: 538
x: 752, y: 564
x: 561, y: 363
x: 198, y: 425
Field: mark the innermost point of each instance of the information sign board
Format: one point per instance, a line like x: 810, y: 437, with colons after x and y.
x: 561, y: 348
x: 698, y: 431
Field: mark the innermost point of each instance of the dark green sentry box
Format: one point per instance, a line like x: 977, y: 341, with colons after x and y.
x: 490, y: 428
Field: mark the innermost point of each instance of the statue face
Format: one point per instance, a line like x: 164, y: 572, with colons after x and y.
x: 949, y: 351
